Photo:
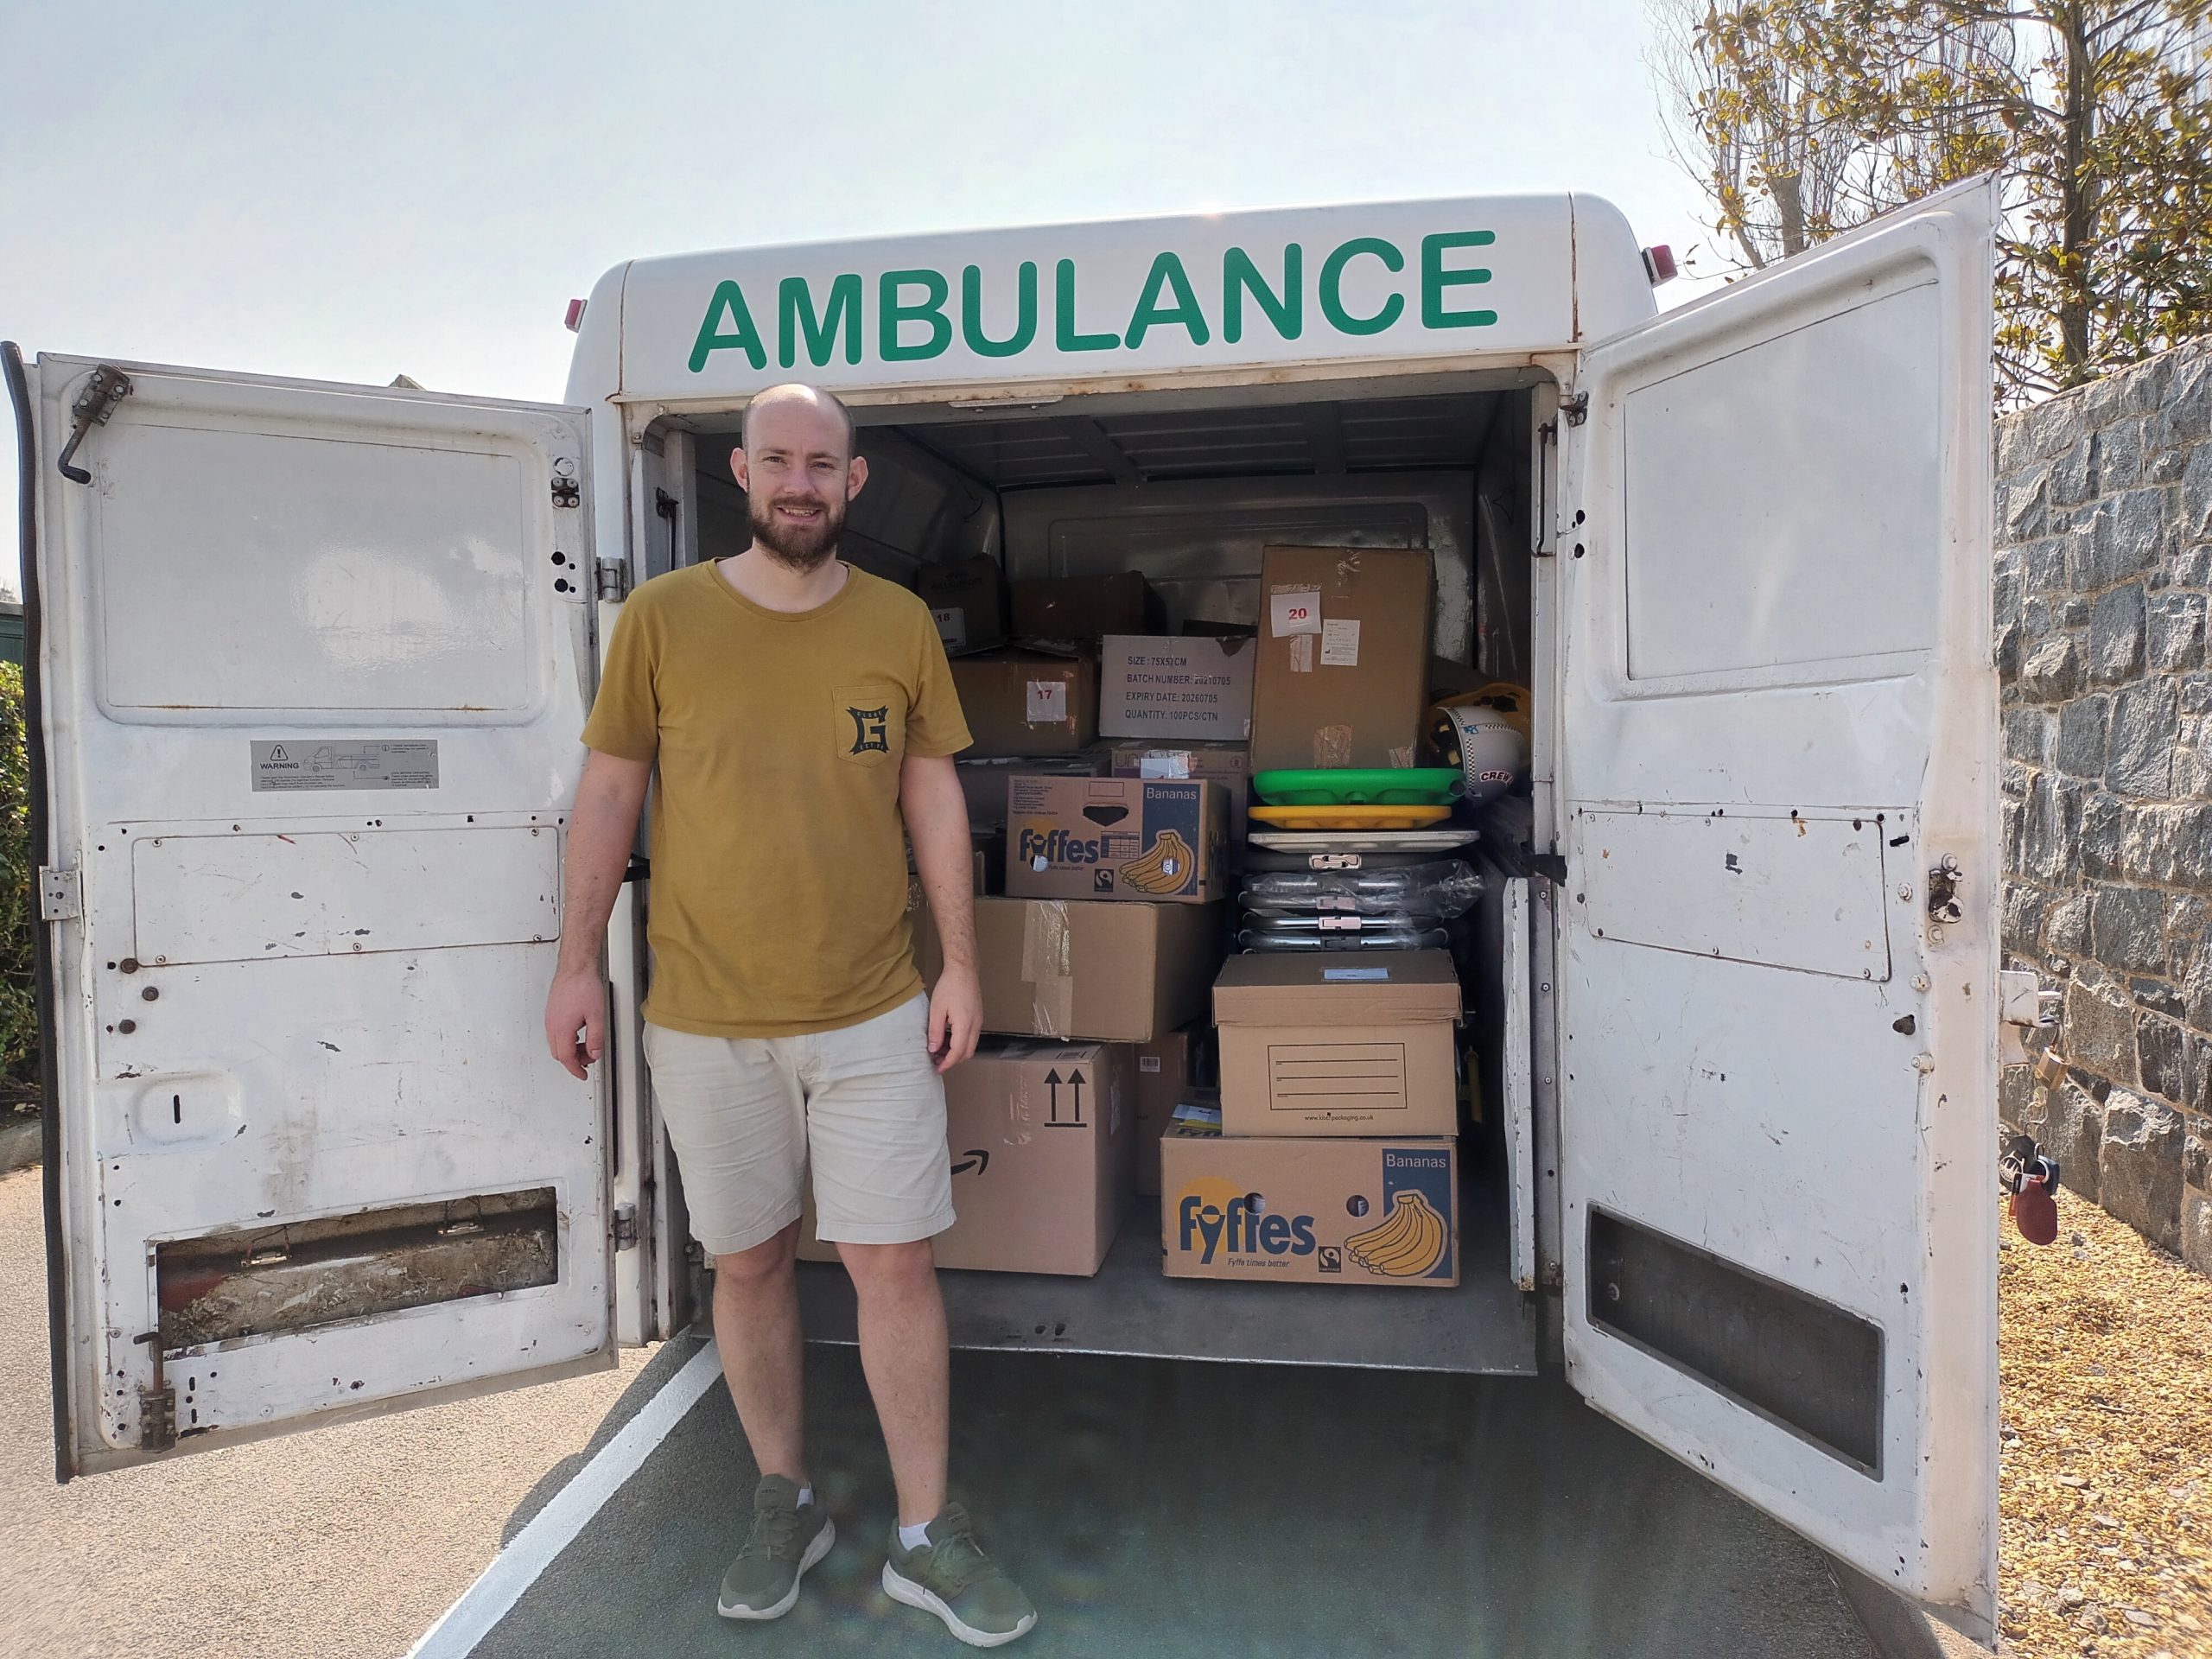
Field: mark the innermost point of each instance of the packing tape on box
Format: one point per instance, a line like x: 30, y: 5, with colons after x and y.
x: 1331, y: 746
x: 1044, y: 966
x: 1347, y: 569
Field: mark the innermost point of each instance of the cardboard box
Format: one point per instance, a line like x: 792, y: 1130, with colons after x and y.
x: 966, y: 600
x: 1042, y: 1138
x: 1343, y: 666
x: 1086, y: 607
x: 1025, y: 702
x: 1069, y: 968
x: 1120, y: 838
x: 1228, y: 765
x: 1380, y: 1213
x: 983, y: 782
x: 1338, y: 1043
x: 1165, y: 1069
x: 1159, y: 686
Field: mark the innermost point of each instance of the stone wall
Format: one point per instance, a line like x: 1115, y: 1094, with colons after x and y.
x: 2102, y: 575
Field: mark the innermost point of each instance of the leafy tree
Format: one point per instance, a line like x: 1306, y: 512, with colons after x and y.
x: 1804, y: 117
x: 18, y: 1009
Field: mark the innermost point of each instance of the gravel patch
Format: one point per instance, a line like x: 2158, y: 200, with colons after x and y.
x: 2105, y: 1476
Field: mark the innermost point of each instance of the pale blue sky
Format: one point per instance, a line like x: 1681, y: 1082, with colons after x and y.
x: 352, y: 192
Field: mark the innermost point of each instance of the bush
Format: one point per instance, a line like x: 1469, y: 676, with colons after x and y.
x: 18, y: 1004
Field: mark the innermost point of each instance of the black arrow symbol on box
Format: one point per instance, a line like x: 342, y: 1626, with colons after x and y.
x: 1053, y: 1081
x: 1075, y: 1082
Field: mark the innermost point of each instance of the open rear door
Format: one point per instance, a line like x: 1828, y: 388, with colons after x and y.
x: 314, y: 660
x: 1778, y: 808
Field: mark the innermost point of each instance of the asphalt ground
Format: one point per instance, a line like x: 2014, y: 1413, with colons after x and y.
x: 343, y: 1544
x: 1164, y: 1507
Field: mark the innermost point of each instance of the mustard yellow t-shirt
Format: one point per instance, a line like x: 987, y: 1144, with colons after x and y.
x: 779, y: 898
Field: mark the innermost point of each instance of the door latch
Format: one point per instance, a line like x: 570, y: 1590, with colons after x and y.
x: 60, y: 894
x: 156, y: 1418
x: 94, y: 404
x: 1943, y: 883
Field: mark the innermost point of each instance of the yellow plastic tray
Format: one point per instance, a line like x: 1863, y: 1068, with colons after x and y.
x: 1350, y: 818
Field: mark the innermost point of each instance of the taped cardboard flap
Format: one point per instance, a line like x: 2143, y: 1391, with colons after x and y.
x: 1264, y: 988
x: 1045, y: 965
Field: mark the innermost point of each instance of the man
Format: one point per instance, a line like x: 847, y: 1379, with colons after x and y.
x: 796, y: 711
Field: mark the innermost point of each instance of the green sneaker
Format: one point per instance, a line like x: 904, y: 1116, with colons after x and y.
x: 786, y: 1540
x: 951, y: 1577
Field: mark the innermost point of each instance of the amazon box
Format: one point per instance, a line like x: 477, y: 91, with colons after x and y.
x: 1341, y: 677
x: 1338, y: 1043
x: 1086, y: 607
x: 1042, y: 1138
x: 966, y: 600
x: 1197, y: 689
x: 1166, y: 1070
x: 1025, y: 702
x: 1380, y: 1213
x: 1116, y: 838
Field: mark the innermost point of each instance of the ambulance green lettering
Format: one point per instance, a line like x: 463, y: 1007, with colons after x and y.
x: 1064, y: 332
x: 1332, y: 277
x: 795, y: 316
x: 1434, y: 279
x: 1168, y: 272
x: 1239, y: 275
x: 1025, y: 313
x: 743, y: 336
x: 892, y: 311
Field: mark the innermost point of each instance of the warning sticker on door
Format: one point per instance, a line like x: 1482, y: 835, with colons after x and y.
x: 311, y: 763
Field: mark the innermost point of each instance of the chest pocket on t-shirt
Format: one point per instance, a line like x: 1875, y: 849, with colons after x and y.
x: 868, y: 723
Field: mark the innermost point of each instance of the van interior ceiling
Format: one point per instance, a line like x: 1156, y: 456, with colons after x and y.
x: 1188, y: 487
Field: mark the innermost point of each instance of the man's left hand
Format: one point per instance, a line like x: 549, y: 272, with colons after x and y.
x: 956, y: 1016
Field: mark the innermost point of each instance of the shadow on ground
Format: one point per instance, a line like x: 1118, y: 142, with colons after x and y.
x: 1161, y: 1508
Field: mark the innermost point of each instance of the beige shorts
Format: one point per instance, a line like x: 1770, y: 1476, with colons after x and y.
x: 863, y: 1104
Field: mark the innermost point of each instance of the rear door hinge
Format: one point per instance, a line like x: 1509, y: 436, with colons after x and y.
x: 613, y: 579
x: 1575, y: 406
x: 60, y: 894
x: 156, y: 1418
x: 626, y: 1226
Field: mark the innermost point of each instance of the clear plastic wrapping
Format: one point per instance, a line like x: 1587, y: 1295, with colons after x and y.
x: 1341, y: 933
x: 1436, y: 891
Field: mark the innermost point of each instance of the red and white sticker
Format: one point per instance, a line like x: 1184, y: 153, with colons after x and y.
x: 1296, y: 611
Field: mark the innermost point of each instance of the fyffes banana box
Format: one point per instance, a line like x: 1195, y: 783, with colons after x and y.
x: 1161, y: 840
x: 1303, y: 1210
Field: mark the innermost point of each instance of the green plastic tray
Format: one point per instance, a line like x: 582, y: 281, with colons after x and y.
x: 1359, y: 786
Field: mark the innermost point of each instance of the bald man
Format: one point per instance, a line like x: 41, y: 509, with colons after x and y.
x: 801, y: 722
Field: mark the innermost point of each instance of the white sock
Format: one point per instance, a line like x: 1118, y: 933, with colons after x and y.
x: 913, y: 1537
x: 805, y: 1495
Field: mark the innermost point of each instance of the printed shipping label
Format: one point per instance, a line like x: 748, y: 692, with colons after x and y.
x: 1340, y: 643
x: 344, y: 763
x: 1047, y: 700
x: 1147, y: 1062
x: 951, y: 627
x: 1296, y: 611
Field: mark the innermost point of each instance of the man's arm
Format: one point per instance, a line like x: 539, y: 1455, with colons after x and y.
x: 936, y: 822
x: 603, y: 829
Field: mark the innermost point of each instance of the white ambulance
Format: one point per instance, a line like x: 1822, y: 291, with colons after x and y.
x: 311, y: 662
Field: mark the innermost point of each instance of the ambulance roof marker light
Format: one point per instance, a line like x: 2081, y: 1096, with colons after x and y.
x: 575, y: 317
x: 1659, y: 264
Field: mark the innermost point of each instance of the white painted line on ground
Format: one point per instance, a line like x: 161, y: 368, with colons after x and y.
x: 515, y: 1568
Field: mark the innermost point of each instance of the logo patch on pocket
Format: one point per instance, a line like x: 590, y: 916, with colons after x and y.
x: 871, y: 730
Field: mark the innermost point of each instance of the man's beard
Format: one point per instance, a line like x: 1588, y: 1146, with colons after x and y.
x: 801, y: 548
